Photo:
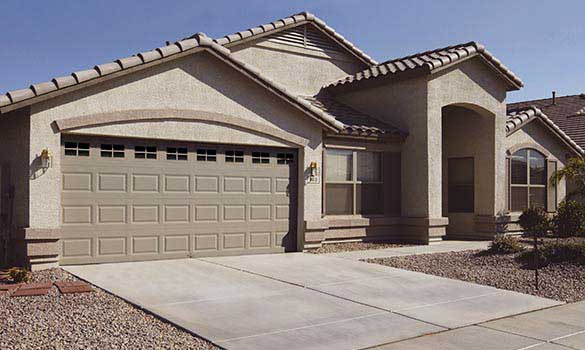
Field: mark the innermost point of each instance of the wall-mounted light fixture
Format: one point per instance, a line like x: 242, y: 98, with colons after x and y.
x: 46, y: 159
x: 314, y: 172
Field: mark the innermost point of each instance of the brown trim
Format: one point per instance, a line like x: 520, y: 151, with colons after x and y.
x: 139, y: 115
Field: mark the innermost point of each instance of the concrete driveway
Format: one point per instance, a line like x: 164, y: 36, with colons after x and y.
x: 303, y: 301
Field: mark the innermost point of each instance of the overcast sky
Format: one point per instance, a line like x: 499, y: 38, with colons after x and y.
x: 543, y: 42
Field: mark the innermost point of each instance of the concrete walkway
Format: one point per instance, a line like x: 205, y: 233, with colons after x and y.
x: 442, y: 247
x: 560, y: 328
x: 303, y: 301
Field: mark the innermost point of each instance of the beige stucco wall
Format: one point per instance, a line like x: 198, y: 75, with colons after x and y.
x: 14, y: 138
x: 474, y: 85
x: 416, y: 105
x: 302, y: 71
x: 199, y: 82
x: 535, y: 134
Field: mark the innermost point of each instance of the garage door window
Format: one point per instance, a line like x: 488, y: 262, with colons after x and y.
x: 77, y: 149
x: 234, y: 156
x: 260, y: 157
x: 206, y: 155
x: 284, y: 158
x: 145, y: 152
x: 176, y: 153
x: 112, y: 151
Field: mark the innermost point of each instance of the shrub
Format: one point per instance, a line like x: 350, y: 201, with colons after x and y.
x: 554, y: 252
x: 569, y: 219
x: 19, y: 275
x: 503, y: 244
x: 534, y: 221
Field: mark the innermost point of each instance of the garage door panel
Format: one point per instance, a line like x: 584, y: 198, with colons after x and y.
x: 129, y: 209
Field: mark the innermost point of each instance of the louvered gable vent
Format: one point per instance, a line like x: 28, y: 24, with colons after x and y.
x: 306, y: 36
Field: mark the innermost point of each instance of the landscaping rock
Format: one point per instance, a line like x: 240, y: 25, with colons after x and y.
x: 352, y: 246
x: 97, y: 320
x: 564, y: 282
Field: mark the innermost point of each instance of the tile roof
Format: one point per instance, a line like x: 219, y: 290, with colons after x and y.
x: 428, y: 62
x: 355, y: 122
x: 568, y: 113
x: 102, y: 70
x: 291, y: 21
x: 519, y: 117
x: 201, y: 42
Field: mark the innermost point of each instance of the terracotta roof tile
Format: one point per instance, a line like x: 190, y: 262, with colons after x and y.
x: 429, y: 61
x: 521, y: 116
x: 353, y: 120
x: 567, y: 113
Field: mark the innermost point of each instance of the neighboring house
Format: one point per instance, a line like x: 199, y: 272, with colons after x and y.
x: 277, y: 138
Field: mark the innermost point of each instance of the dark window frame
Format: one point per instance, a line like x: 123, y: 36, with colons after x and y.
x: 259, y: 157
x: 206, y: 155
x: 285, y: 158
x: 112, y: 150
x: 234, y: 156
x: 177, y: 153
x: 145, y: 152
x: 76, y: 149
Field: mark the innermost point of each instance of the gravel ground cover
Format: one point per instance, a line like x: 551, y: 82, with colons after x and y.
x: 564, y: 282
x: 351, y: 246
x: 96, y: 320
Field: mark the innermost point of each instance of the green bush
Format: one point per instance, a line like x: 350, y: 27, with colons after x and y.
x: 19, y: 275
x: 570, y: 219
x: 503, y: 244
x: 534, y: 221
x: 554, y: 252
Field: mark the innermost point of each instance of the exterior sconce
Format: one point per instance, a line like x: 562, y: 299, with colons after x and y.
x: 46, y: 159
x: 314, y: 172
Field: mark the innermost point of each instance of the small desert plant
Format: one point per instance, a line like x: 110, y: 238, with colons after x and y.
x: 534, y: 221
x: 505, y: 244
x: 19, y: 275
x: 554, y: 252
x: 569, y: 219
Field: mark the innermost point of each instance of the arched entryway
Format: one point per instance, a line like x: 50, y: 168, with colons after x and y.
x: 468, y: 167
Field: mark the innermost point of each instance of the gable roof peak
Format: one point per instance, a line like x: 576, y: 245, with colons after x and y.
x: 294, y: 20
x: 428, y: 62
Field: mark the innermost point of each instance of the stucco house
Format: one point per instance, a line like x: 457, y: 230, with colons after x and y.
x: 274, y: 139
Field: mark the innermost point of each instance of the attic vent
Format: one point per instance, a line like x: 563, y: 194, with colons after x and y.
x: 307, y: 37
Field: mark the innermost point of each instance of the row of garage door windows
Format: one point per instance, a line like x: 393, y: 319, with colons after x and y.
x: 82, y: 149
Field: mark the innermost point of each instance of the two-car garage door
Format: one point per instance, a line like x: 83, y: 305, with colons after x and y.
x: 129, y: 200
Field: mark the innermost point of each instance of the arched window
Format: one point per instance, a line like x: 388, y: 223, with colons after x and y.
x: 528, y: 182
